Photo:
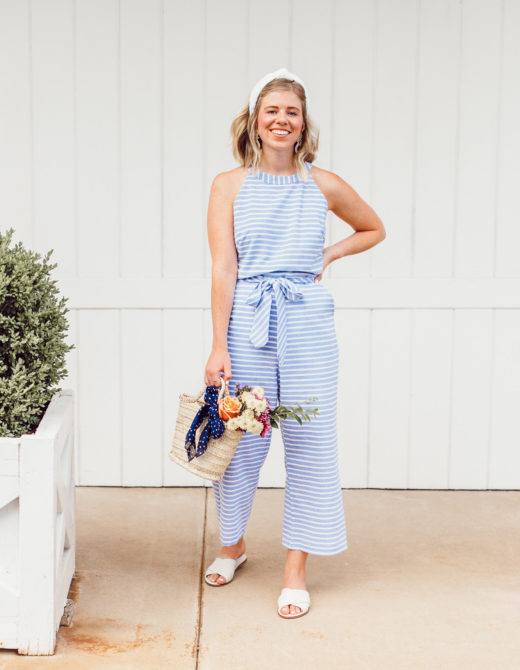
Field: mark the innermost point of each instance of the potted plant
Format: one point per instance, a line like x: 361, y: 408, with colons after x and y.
x: 37, y: 495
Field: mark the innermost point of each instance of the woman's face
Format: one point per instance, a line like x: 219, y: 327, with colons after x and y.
x: 280, y: 110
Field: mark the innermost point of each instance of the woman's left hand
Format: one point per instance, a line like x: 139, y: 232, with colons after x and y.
x: 327, y: 260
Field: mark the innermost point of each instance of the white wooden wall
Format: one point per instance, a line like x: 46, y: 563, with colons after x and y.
x: 115, y: 117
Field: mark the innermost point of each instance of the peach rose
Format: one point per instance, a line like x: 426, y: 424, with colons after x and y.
x: 229, y: 407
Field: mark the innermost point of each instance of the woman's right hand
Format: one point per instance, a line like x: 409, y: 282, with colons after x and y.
x: 218, y: 361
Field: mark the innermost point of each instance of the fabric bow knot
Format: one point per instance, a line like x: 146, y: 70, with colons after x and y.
x: 261, y: 297
x: 214, y: 428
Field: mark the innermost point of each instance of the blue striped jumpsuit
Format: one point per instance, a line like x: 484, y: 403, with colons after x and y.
x: 281, y: 336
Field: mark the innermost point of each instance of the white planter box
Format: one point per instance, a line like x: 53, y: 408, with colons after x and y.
x: 37, y: 529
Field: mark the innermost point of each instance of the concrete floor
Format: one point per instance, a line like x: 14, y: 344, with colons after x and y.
x: 431, y: 580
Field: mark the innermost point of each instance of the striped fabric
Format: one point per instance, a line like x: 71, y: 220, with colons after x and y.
x: 282, y: 336
x: 279, y: 224
x: 261, y: 297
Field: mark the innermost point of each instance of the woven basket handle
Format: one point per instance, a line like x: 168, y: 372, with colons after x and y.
x: 223, y: 389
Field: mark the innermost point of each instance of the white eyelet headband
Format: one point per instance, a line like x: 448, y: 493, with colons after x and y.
x: 284, y: 73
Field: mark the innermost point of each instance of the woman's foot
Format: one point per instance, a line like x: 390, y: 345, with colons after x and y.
x: 294, y: 576
x: 232, y: 551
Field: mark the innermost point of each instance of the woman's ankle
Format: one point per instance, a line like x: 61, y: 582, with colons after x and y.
x: 234, y: 549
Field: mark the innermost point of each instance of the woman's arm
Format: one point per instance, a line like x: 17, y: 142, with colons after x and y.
x: 223, y: 274
x: 346, y: 203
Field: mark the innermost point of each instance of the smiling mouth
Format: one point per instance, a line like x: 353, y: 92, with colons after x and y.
x: 280, y: 134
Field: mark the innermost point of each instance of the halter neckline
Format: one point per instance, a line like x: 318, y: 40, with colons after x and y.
x: 278, y: 178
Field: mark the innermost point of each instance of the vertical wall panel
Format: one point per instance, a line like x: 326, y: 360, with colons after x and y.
x: 504, y: 452
x: 353, y: 332
x: 99, y: 397
x: 185, y: 193
x: 472, y: 361
x: 259, y: 24
x: 53, y: 115
x: 141, y: 397
x: 476, y: 199
x: 141, y: 137
x: 352, y: 141
x: 508, y: 169
x: 15, y: 120
x: 430, y: 398
x: 389, y: 398
x: 436, y: 150
x: 396, y: 42
x: 98, y: 142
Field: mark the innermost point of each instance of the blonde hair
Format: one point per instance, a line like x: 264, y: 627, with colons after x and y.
x: 244, y: 131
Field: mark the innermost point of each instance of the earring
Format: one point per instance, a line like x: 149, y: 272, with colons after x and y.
x: 298, y: 144
x: 258, y: 141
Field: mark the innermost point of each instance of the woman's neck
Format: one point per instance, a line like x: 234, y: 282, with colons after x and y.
x: 277, y: 164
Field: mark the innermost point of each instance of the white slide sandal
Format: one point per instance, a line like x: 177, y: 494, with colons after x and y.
x: 225, y: 567
x: 298, y: 597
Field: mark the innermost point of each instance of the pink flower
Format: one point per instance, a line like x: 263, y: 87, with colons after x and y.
x: 264, y: 418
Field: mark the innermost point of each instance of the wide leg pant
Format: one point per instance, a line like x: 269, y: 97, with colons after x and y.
x: 314, y: 519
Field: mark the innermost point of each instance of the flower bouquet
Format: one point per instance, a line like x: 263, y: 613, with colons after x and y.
x: 249, y: 410
x: 228, y: 418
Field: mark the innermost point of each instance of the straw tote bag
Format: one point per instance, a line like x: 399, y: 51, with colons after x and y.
x: 213, y: 462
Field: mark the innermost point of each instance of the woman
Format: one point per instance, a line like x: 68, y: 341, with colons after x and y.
x: 273, y: 324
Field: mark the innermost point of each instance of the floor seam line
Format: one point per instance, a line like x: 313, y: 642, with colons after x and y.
x: 200, y: 598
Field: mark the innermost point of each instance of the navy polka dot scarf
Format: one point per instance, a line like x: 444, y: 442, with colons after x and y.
x: 214, y: 428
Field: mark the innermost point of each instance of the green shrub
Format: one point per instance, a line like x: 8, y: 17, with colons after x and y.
x: 32, y: 337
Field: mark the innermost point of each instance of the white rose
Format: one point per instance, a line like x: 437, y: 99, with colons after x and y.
x: 258, y: 391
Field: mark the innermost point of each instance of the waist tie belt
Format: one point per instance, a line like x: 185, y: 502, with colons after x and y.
x: 283, y: 287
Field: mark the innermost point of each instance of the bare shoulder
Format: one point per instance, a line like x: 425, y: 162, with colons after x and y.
x: 333, y: 187
x: 227, y: 184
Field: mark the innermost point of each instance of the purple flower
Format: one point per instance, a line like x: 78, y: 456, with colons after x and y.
x: 264, y: 418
